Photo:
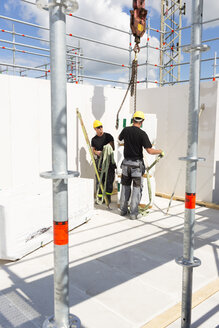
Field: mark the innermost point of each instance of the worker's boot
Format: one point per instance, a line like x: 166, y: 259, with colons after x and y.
x: 135, y: 216
x: 109, y: 198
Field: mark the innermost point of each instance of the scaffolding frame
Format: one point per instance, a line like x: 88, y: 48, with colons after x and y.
x: 78, y: 57
x: 170, y: 40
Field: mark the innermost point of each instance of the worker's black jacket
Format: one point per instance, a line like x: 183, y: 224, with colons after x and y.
x: 99, y: 142
x: 135, y: 140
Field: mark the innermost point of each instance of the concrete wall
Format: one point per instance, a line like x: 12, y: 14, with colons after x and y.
x: 170, y: 104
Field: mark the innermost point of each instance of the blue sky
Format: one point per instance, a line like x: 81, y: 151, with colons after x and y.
x: 112, y: 13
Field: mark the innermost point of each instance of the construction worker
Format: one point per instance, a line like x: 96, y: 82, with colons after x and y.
x: 97, y: 143
x: 132, y: 166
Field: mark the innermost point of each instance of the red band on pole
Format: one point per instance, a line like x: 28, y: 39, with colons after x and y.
x: 190, y: 201
x: 60, y: 233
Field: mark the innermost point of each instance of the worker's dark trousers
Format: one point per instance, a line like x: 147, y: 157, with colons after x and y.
x: 131, y: 173
x: 109, y: 182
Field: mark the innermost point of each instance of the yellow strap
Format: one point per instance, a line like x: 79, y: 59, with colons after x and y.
x: 91, y: 153
x: 107, y: 156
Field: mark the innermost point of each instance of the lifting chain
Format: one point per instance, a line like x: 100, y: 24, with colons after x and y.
x: 134, y: 79
x: 138, y: 27
x: 132, y: 84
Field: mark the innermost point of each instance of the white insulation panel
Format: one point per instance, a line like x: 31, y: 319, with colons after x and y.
x: 26, y: 217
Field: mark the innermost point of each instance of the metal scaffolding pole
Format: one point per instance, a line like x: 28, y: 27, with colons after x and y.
x: 188, y: 261
x: 59, y: 174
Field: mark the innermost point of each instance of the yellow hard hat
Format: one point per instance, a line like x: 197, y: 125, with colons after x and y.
x: 138, y: 116
x: 96, y: 124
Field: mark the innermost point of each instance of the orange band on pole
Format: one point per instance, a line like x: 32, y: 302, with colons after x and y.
x: 190, y: 200
x: 60, y: 233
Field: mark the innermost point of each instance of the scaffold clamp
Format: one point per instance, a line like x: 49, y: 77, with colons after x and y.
x: 70, y: 6
x: 58, y: 176
x: 189, y: 264
x: 200, y: 47
x: 192, y: 159
x: 74, y: 322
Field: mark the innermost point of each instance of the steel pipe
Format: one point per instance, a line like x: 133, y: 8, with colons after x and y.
x: 24, y: 67
x: 184, y: 81
x: 32, y: 37
x: 96, y: 41
x: 101, y: 79
x: 88, y: 20
x: 97, y: 60
x: 26, y: 52
x: 24, y: 45
x: 100, y: 24
x: 59, y: 161
x: 191, y: 165
x: 25, y: 23
x: 59, y: 174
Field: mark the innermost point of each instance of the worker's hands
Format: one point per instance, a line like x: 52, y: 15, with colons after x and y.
x: 162, y: 154
x: 98, y: 152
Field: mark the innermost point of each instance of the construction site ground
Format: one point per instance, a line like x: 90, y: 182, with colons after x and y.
x: 122, y: 273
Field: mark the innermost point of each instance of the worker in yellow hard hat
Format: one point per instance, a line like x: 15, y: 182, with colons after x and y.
x: 97, y: 143
x: 135, y: 139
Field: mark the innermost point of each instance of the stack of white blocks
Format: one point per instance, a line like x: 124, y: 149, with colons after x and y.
x: 26, y: 217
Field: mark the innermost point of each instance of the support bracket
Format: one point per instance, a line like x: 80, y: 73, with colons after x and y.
x: 182, y: 261
x: 192, y: 159
x: 57, y: 176
x: 74, y: 322
x: 200, y: 47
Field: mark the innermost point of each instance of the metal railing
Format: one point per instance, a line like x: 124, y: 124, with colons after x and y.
x: 36, y: 49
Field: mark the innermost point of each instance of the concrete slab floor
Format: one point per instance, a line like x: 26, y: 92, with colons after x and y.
x: 122, y: 273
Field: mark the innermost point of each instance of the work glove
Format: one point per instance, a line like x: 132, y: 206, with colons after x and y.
x: 162, y: 154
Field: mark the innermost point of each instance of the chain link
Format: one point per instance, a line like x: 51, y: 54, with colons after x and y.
x: 132, y: 84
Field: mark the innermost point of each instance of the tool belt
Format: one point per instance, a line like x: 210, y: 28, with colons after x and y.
x: 134, y: 164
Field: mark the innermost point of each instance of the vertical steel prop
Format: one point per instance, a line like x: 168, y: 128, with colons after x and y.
x: 59, y: 174
x: 188, y: 261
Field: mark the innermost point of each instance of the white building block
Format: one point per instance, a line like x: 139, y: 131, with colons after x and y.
x: 26, y: 217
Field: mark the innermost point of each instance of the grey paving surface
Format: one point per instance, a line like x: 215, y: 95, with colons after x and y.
x: 206, y: 315
x: 122, y: 272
